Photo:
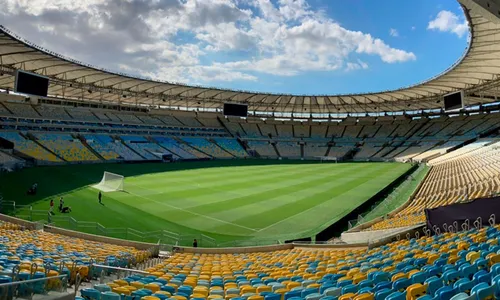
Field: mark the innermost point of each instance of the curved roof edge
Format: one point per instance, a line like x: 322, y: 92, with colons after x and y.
x: 475, y: 70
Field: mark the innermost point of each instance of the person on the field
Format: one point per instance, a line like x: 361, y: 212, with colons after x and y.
x: 100, y: 197
x: 195, y: 243
x: 61, y: 203
x: 66, y: 209
x: 51, y: 210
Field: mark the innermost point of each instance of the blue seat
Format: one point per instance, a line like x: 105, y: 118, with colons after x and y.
x: 351, y: 288
x: 90, y: 294
x: 308, y: 291
x: 418, y: 277
x: 433, y: 284
x: 383, y: 293
x: 401, y: 284
x: 383, y: 285
x: 397, y: 296
x: 272, y: 296
x: 291, y: 294
x: 464, y: 285
x: 481, y: 276
x: 445, y: 293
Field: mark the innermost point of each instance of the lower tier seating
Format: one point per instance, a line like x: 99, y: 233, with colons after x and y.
x: 457, y: 266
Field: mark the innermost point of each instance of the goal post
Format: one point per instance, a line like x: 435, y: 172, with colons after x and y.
x: 110, y: 182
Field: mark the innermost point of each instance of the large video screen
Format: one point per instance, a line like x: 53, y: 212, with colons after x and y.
x: 454, y: 101
x: 237, y: 110
x: 31, y: 84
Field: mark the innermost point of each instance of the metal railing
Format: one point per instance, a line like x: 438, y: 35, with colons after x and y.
x: 26, y: 289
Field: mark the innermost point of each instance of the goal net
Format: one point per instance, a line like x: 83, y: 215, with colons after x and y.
x: 110, y: 182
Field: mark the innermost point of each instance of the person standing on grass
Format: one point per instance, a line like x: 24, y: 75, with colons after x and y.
x: 61, y: 203
x: 100, y: 197
x: 195, y: 243
x: 51, y: 210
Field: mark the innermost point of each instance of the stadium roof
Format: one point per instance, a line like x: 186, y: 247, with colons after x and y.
x: 476, y: 72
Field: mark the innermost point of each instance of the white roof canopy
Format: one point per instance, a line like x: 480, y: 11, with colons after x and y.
x: 476, y: 73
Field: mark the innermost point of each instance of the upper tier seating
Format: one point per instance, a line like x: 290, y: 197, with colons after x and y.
x: 369, y: 131
x: 28, y: 147
x: 209, y: 122
x: 234, y: 128
x: 145, y: 148
x: 263, y: 148
x: 127, y: 118
x: 189, y: 121
x: 66, y: 146
x: 471, y: 175
x: 149, y: 120
x: 81, y: 114
x: 455, y: 266
x: 169, y: 120
x: 53, y: 112
x: 268, y: 130
x: 4, y: 111
x: 232, y: 146
x: 285, y: 131
x: 288, y: 149
x: 301, y: 131
x: 207, y: 147
x: 22, y: 110
x: 251, y: 129
x: 174, y: 147
x: 110, y: 149
x: 318, y: 131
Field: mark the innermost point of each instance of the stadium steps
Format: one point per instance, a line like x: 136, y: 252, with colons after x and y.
x: 84, y: 142
x: 276, y: 149
x: 181, y: 141
x: 6, y: 108
x: 117, y: 137
x: 223, y: 149
x: 29, y: 136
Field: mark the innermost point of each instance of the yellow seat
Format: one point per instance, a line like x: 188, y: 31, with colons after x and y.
x: 121, y: 290
x: 415, y: 291
x: 365, y: 296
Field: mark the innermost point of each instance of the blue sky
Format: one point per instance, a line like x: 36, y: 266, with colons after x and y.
x: 280, y: 46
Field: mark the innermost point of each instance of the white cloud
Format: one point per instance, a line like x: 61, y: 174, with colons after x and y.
x: 356, y: 65
x: 393, y: 32
x: 446, y: 21
x: 193, y: 41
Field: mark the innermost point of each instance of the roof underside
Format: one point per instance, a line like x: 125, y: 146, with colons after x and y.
x: 477, y: 74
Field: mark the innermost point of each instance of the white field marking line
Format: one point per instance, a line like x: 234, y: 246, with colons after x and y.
x: 194, y: 213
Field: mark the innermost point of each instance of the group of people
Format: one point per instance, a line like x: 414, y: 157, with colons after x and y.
x: 62, y: 209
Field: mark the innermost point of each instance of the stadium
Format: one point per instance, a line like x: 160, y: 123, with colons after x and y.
x: 119, y: 187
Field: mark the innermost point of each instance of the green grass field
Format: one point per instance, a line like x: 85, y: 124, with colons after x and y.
x: 226, y: 200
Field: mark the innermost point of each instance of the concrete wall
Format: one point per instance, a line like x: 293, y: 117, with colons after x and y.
x: 14, y: 220
x: 235, y: 249
x: 102, y: 239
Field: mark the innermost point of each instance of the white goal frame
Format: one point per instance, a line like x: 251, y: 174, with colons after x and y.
x: 110, y: 182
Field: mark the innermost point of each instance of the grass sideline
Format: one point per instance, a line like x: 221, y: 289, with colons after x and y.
x: 226, y: 200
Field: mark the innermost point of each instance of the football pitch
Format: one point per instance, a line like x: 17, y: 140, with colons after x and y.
x: 225, y: 200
